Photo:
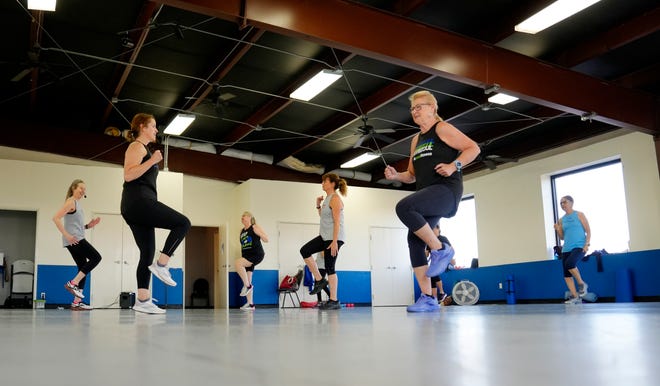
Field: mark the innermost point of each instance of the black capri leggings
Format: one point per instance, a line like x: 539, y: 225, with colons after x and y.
x: 254, y: 260
x: 143, y: 217
x: 86, y: 258
x: 316, y: 245
x: 425, y: 206
x: 569, y: 260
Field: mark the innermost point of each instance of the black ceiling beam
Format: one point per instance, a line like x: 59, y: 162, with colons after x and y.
x: 138, y: 34
x: 635, y: 29
x: 454, y: 56
x: 219, y: 73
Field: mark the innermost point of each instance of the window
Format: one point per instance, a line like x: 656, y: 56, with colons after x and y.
x: 597, y: 192
x: 461, y: 230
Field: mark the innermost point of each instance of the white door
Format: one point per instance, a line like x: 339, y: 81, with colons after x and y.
x: 113, y: 239
x: 391, y: 273
x: 292, y: 236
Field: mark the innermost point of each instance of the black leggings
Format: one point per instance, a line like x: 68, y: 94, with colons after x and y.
x: 86, y: 258
x: 569, y: 260
x: 316, y: 245
x: 254, y: 260
x: 425, y: 206
x: 143, y: 217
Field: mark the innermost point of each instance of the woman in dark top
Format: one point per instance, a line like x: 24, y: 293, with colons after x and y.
x: 144, y: 213
x: 437, y: 154
x: 252, y: 253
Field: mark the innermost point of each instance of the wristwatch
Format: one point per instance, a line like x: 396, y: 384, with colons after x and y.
x: 458, y: 165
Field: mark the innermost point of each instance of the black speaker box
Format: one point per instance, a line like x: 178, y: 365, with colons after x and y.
x: 126, y: 299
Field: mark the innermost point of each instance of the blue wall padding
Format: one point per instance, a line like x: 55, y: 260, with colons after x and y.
x: 538, y: 280
x: 543, y: 280
x: 166, y: 295
x: 51, y: 278
x: 354, y: 287
x: 624, y: 288
x: 265, y: 284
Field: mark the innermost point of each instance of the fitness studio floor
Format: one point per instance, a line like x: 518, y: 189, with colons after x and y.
x: 529, y: 344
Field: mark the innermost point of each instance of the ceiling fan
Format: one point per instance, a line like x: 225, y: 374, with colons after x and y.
x: 367, y: 132
x: 492, y: 160
x: 33, y: 63
x: 220, y: 102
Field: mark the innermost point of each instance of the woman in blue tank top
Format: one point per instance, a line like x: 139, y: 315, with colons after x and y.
x: 574, y: 229
x: 437, y: 154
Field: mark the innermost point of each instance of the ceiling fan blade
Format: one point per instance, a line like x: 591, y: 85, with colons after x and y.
x: 383, y: 138
x: 490, y: 164
x: 18, y: 77
x: 361, y: 140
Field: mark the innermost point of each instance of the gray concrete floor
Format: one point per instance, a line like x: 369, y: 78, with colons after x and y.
x: 534, y: 344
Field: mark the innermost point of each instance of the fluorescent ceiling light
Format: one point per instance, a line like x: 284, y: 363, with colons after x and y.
x: 552, y: 14
x: 502, y: 99
x: 318, y: 83
x: 179, y: 124
x: 42, y: 5
x: 364, y: 158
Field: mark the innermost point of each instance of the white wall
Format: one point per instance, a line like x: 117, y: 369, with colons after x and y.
x: 512, y: 222
x: 272, y: 202
x: 42, y: 187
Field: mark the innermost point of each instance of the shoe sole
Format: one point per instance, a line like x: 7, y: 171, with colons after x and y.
x: 165, y: 281
x: 431, y: 310
x: 438, y: 268
x: 247, y: 292
x: 149, y: 312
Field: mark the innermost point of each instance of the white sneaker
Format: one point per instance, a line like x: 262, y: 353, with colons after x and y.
x: 247, y: 307
x: 582, y: 289
x: 147, y: 307
x: 73, y: 289
x: 246, y: 290
x: 572, y: 300
x: 163, y: 273
x: 80, y: 306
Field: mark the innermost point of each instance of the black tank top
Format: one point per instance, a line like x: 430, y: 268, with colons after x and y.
x: 430, y: 151
x: 141, y: 187
x: 250, y: 243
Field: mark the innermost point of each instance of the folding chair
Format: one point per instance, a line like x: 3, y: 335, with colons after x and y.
x: 283, y: 292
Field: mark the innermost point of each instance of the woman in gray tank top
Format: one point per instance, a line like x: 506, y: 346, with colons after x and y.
x: 73, y: 239
x: 330, y: 239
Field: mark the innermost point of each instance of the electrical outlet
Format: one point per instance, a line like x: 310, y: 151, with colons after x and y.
x: 499, y: 285
x: 43, y: 296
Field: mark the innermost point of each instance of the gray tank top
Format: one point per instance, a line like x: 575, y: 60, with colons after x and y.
x: 74, y: 223
x: 327, y: 223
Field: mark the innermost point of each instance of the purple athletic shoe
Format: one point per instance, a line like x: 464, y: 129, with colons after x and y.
x: 425, y: 303
x: 439, y: 260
